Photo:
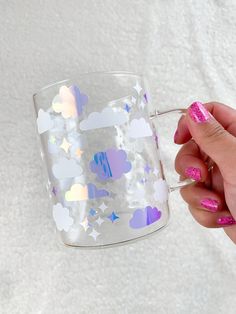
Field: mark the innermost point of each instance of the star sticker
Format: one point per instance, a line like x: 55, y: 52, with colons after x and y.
x: 127, y: 108
x: 147, y: 168
x: 156, y: 171
x: 142, y: 104
x: 78, y: 152
x: 113, y: 217
x: 52, y: 139
x: 92, y: 212
x: 99, y: 221
x: 133, y: 100
x: 85, y: 224
x: 65, y: 145
x: 103, y: 207
x: 94, y: 234
x: 145, y: 97
x: 54, y: 191
x: 137, y: 87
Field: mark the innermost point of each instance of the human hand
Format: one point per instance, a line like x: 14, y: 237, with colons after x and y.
x: 209, y: 157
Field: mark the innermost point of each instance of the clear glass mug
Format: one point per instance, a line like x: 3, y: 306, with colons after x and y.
x: 100, y: 147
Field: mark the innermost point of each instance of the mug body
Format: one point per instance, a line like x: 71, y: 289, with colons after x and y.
x: 100, y: 148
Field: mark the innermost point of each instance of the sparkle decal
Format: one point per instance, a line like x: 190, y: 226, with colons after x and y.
x: 137, y: 87
x: 94, y: 234
x: 65, y: 145
x: 113, y: 217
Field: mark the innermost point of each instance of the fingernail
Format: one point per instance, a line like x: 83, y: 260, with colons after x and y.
x: 198, y: 113
x: 210, y: 204
x: 176, y: 135
x: 193, y: 173
x: 226, y: 221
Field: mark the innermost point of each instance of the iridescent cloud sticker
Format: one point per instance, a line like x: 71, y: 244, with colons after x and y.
x: 111, y: 164
x: 144, y: 217
x: 79, y: 192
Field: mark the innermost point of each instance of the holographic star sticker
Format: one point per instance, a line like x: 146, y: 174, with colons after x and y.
x: 65, y: 145
x: 147, y: 168
x: 94, y: 234
x: 99, y: 221
x: 85, y: 224
x: 137, y: 87
x: 92, y: 212
x: 127, y: 108
x: 113, y: 217
x: 103, y: 207
x: 78, y: 152
x: 133, y: 99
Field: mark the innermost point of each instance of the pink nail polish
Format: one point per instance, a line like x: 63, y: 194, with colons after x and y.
x: 176, y: 135
x: 193, y: 173
x: 210, y: 204
x: 226, y: 221
x: 198, y: 113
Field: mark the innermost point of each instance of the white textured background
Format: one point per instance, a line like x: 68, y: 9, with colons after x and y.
x: 187, y: 49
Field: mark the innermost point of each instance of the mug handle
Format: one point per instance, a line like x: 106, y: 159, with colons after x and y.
x: 158, y: 113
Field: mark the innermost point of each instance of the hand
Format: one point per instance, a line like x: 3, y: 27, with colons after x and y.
x: 209, y: 157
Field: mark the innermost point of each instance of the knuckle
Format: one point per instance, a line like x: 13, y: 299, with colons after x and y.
x: 201, y: 218
x: 214, y: 133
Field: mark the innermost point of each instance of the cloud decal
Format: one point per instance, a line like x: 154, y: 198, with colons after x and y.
x: 106, y: 118
x: 111, y: 164
x: 66, y: 168
x: 139, y: 128
x: 144, y: 217
x: 161, y: 191
x: 78, y: 192
x: 44, y: 121
x: 61, y: 216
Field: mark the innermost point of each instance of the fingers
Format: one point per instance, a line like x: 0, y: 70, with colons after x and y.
x: 188, y: 162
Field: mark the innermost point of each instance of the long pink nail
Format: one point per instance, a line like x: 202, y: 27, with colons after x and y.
x: 226, y: 221
x: 176, y: 135
x: 198, y: 112
x: 193, y: 173
x: 210, y: 204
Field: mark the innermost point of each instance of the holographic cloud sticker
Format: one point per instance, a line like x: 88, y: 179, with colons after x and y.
x: 144, y: 217
x: 161, y: 191
x: 61, y: 216
x: 80, y: 99
x: 44, y: 121
x: 66, y: 168
x: 106, y: 118
x: 111, y: 164
x: 78, y: 192
x: 64, y: 103
x: 139, y: 128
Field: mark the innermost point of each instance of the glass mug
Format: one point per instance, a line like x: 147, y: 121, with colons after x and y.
x: 100, y: 147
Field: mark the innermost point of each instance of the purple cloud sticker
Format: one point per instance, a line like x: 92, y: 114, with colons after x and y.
x: 144, y: 217
x: 80, y: 99
x: 111, y: 164
x: 94, y: 192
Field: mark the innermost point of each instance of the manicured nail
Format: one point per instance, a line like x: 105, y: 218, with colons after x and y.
x: 210, y: 204
x: 198, y: 112
x: 193, y: 173
x: 176, y: 135
x: 226, y: 221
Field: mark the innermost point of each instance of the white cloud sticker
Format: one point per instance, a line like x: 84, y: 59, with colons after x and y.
x: 61, y: 216
x: 106, y: 118
x: 139, y: 128
x: 44, y: 121
x: 161, y: 191
x: 66, y: 168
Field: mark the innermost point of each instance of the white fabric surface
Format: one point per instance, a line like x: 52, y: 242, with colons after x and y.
x: 187, y: 50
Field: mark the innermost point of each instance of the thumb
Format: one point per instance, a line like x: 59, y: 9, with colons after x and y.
x: 211, y: 137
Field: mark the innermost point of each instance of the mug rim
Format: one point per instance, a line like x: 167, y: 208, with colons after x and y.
x: 111, y: 73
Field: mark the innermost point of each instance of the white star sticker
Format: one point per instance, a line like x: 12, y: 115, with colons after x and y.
x: 65, y: 145
x: 133, y: 99
x: 142, y: 104
x: 156, y: 171
x: 137, y: 87
x: 103, y: 207
x: 85, y: 224
x: 94, y: 234
x: 99, y: 221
